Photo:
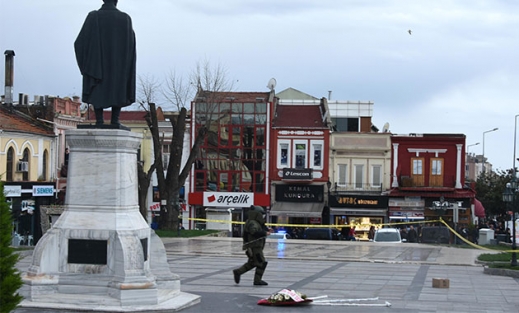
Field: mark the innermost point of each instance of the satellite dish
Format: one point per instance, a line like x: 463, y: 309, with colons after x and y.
x: 271, y: 84
x: 385, y: 129
x: 84, y: 107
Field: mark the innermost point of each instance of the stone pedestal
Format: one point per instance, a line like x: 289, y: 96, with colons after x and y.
x: 101, y: 255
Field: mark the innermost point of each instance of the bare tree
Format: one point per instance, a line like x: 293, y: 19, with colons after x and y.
x: 177, y: 90
x: 207, y: 80
x: 147, y: 92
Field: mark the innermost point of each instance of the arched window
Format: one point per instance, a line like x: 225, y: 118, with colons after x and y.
x: 26, y: 159
x: 10, y: 164
x: 45, y: 165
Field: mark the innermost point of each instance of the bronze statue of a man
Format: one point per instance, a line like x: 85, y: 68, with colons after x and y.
x: 106, y: 55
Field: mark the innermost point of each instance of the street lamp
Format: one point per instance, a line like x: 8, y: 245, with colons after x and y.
x: 488, y: 131
x: 474, y: 144
x: 515, y: 141
x: 509, y: 197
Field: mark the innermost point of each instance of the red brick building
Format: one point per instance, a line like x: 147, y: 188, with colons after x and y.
x: 299, y: 162
x: 427, y: 178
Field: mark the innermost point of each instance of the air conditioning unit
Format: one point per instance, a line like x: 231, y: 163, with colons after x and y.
x: 22, y: 166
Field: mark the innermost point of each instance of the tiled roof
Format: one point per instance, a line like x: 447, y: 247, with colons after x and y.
x: 13, y: 120
x: 298, y: 116
x: 235, y: 96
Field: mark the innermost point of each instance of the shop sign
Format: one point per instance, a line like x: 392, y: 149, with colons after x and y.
x: 43, y: 191
x: 12, y: 191
x: 228, y: 199
x: 297, y: 174
x: 406, y: 203
x: 315, y: 220
x: 406, y: 214
x: 299, y: 193
x: 358, y: 201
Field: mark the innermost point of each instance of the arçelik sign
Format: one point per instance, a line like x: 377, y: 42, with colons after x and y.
x: 228, y: 199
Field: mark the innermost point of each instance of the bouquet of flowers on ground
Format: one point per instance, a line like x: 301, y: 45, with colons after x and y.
x: 286, y: 296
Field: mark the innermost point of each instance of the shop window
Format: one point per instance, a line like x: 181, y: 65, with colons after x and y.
x: 300, y: 153
x: 342, y: 174
x: 316, y: 154
x: 376, y: 176
x: 436, y: 177
x: 359, y: 176
x: 417, y: 175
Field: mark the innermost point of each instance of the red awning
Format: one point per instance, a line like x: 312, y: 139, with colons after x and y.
x: 479, y: 210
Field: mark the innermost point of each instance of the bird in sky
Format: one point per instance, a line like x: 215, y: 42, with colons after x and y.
x: 409, y: 31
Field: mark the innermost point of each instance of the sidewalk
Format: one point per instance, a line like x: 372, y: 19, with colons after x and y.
x: 399, y: 274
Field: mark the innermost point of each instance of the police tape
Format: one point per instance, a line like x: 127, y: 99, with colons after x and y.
x: 377, y: 225
x: 471, y: 243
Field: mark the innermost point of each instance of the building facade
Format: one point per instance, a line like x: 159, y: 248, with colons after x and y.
x: 231, y: 170
x: 299, y: 167
x: 427, y: 179
x: 26, y: 160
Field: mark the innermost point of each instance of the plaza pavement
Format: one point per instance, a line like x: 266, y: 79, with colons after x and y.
x: 399, y: 275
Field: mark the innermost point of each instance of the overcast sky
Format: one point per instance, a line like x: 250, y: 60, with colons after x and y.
x: 457, y: 72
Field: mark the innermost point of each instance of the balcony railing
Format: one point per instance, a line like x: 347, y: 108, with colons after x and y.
x: 419, y: 181
x: 350, y: 187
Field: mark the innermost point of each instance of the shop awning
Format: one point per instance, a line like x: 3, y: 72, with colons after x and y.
x: 479, y: 210
x: 297, y: 209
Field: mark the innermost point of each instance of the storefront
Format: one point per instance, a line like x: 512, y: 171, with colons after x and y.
x: 25, y: 199
x: 297, y: 203
x: 406, y: 209
x: 360, y: 211
x: 222, y: 210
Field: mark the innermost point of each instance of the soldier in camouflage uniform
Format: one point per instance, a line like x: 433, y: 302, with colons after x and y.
x: 254, y: 234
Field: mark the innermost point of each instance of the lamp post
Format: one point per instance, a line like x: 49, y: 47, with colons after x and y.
x: 509, y: 196
x: 474, y: 170
x: 474, y: 144
x: 515, y: 141
x: 488, y: 131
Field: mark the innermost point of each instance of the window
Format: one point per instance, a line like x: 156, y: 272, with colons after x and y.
x: 342, y: 174
x: 283, y: 153
x: 359, y: 171
x: 316, y: 154
x: 436, y: 167
x: 417, y: 175
x: 165, y: 156
x: 376, y: 176
x: 436, y: 178
x: 345, y: 124
x: 10, y: 164
x: 300, y: 155
x: 26, y: 153
x: 45, y: 165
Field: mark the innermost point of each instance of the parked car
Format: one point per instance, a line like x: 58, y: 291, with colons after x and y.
x: 322, y: 234
x: 279, y: 235
x: 388, y: 235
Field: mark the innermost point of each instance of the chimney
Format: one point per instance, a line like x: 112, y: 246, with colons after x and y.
x: 329, y: 95
x: 9, y: 76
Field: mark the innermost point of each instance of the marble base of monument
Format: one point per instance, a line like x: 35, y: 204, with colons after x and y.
x: 101, y: 255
